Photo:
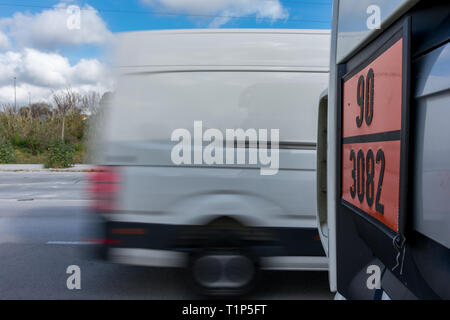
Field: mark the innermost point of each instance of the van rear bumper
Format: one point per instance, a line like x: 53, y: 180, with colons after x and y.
x: 148, y: 257
x: 175, y: 259
x: 164, y: 245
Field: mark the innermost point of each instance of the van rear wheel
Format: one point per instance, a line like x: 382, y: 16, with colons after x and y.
x: 223, y: 273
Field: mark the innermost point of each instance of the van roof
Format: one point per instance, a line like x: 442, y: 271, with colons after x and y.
x: 199, y: 48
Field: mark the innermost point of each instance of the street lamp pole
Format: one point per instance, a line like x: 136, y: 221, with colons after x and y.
x: 15, y: 96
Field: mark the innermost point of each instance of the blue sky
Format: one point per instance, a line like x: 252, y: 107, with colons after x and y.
x: 129, y: 15
x: 34, y: 34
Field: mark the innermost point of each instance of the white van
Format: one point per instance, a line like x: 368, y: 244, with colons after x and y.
x: 225, y: 220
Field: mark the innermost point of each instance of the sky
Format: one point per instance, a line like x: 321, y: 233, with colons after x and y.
x: 53, y: 45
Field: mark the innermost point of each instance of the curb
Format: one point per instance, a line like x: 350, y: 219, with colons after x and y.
x: 40, y: 168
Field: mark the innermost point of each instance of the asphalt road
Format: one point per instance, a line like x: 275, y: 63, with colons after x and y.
x: 43, y: 226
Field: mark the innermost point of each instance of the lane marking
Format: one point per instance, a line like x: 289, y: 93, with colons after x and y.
x: 71, y: 243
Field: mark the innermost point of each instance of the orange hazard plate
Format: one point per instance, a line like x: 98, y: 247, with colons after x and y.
x: 372, y: 135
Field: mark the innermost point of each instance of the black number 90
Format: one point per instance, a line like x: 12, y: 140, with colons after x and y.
x: 364, y: 98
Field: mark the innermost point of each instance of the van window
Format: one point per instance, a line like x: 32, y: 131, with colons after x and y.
x: 149, y: 106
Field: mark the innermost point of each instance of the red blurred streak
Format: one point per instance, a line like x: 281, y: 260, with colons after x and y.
x: 103, y: 187
x: 104, y: 241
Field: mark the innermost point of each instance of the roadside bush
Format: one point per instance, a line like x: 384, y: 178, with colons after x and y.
x: 60, y: 155
x: 7, y: 153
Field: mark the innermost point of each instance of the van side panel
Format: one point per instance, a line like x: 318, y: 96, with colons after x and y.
x: 148, y: 107
x: 193, y: 195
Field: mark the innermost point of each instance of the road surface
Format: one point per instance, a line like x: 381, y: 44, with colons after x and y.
x: 43, y: 226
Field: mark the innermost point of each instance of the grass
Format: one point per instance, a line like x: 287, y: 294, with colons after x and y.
x: 31, y: 137
x: 23, y: 156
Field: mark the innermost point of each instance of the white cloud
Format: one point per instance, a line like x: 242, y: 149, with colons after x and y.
x: 45, y: 69
x: 88, y: 71
x: 49, y: 29
x: 41, y: 73
x: 9, y: 63
x: 29, y: 45
x: 224, y: 8
x: 4, y: 41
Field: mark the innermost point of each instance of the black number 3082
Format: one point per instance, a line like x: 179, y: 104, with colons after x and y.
x: 363, y: 177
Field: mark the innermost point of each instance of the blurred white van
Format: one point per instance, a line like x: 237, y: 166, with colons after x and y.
x: 224, y: 220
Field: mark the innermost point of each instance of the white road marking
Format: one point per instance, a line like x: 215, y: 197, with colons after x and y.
x: 71, y: 243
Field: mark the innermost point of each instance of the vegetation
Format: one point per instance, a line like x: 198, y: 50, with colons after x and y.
x: 51, y: 134
x: 60, y: 155
x: 7, y: 153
